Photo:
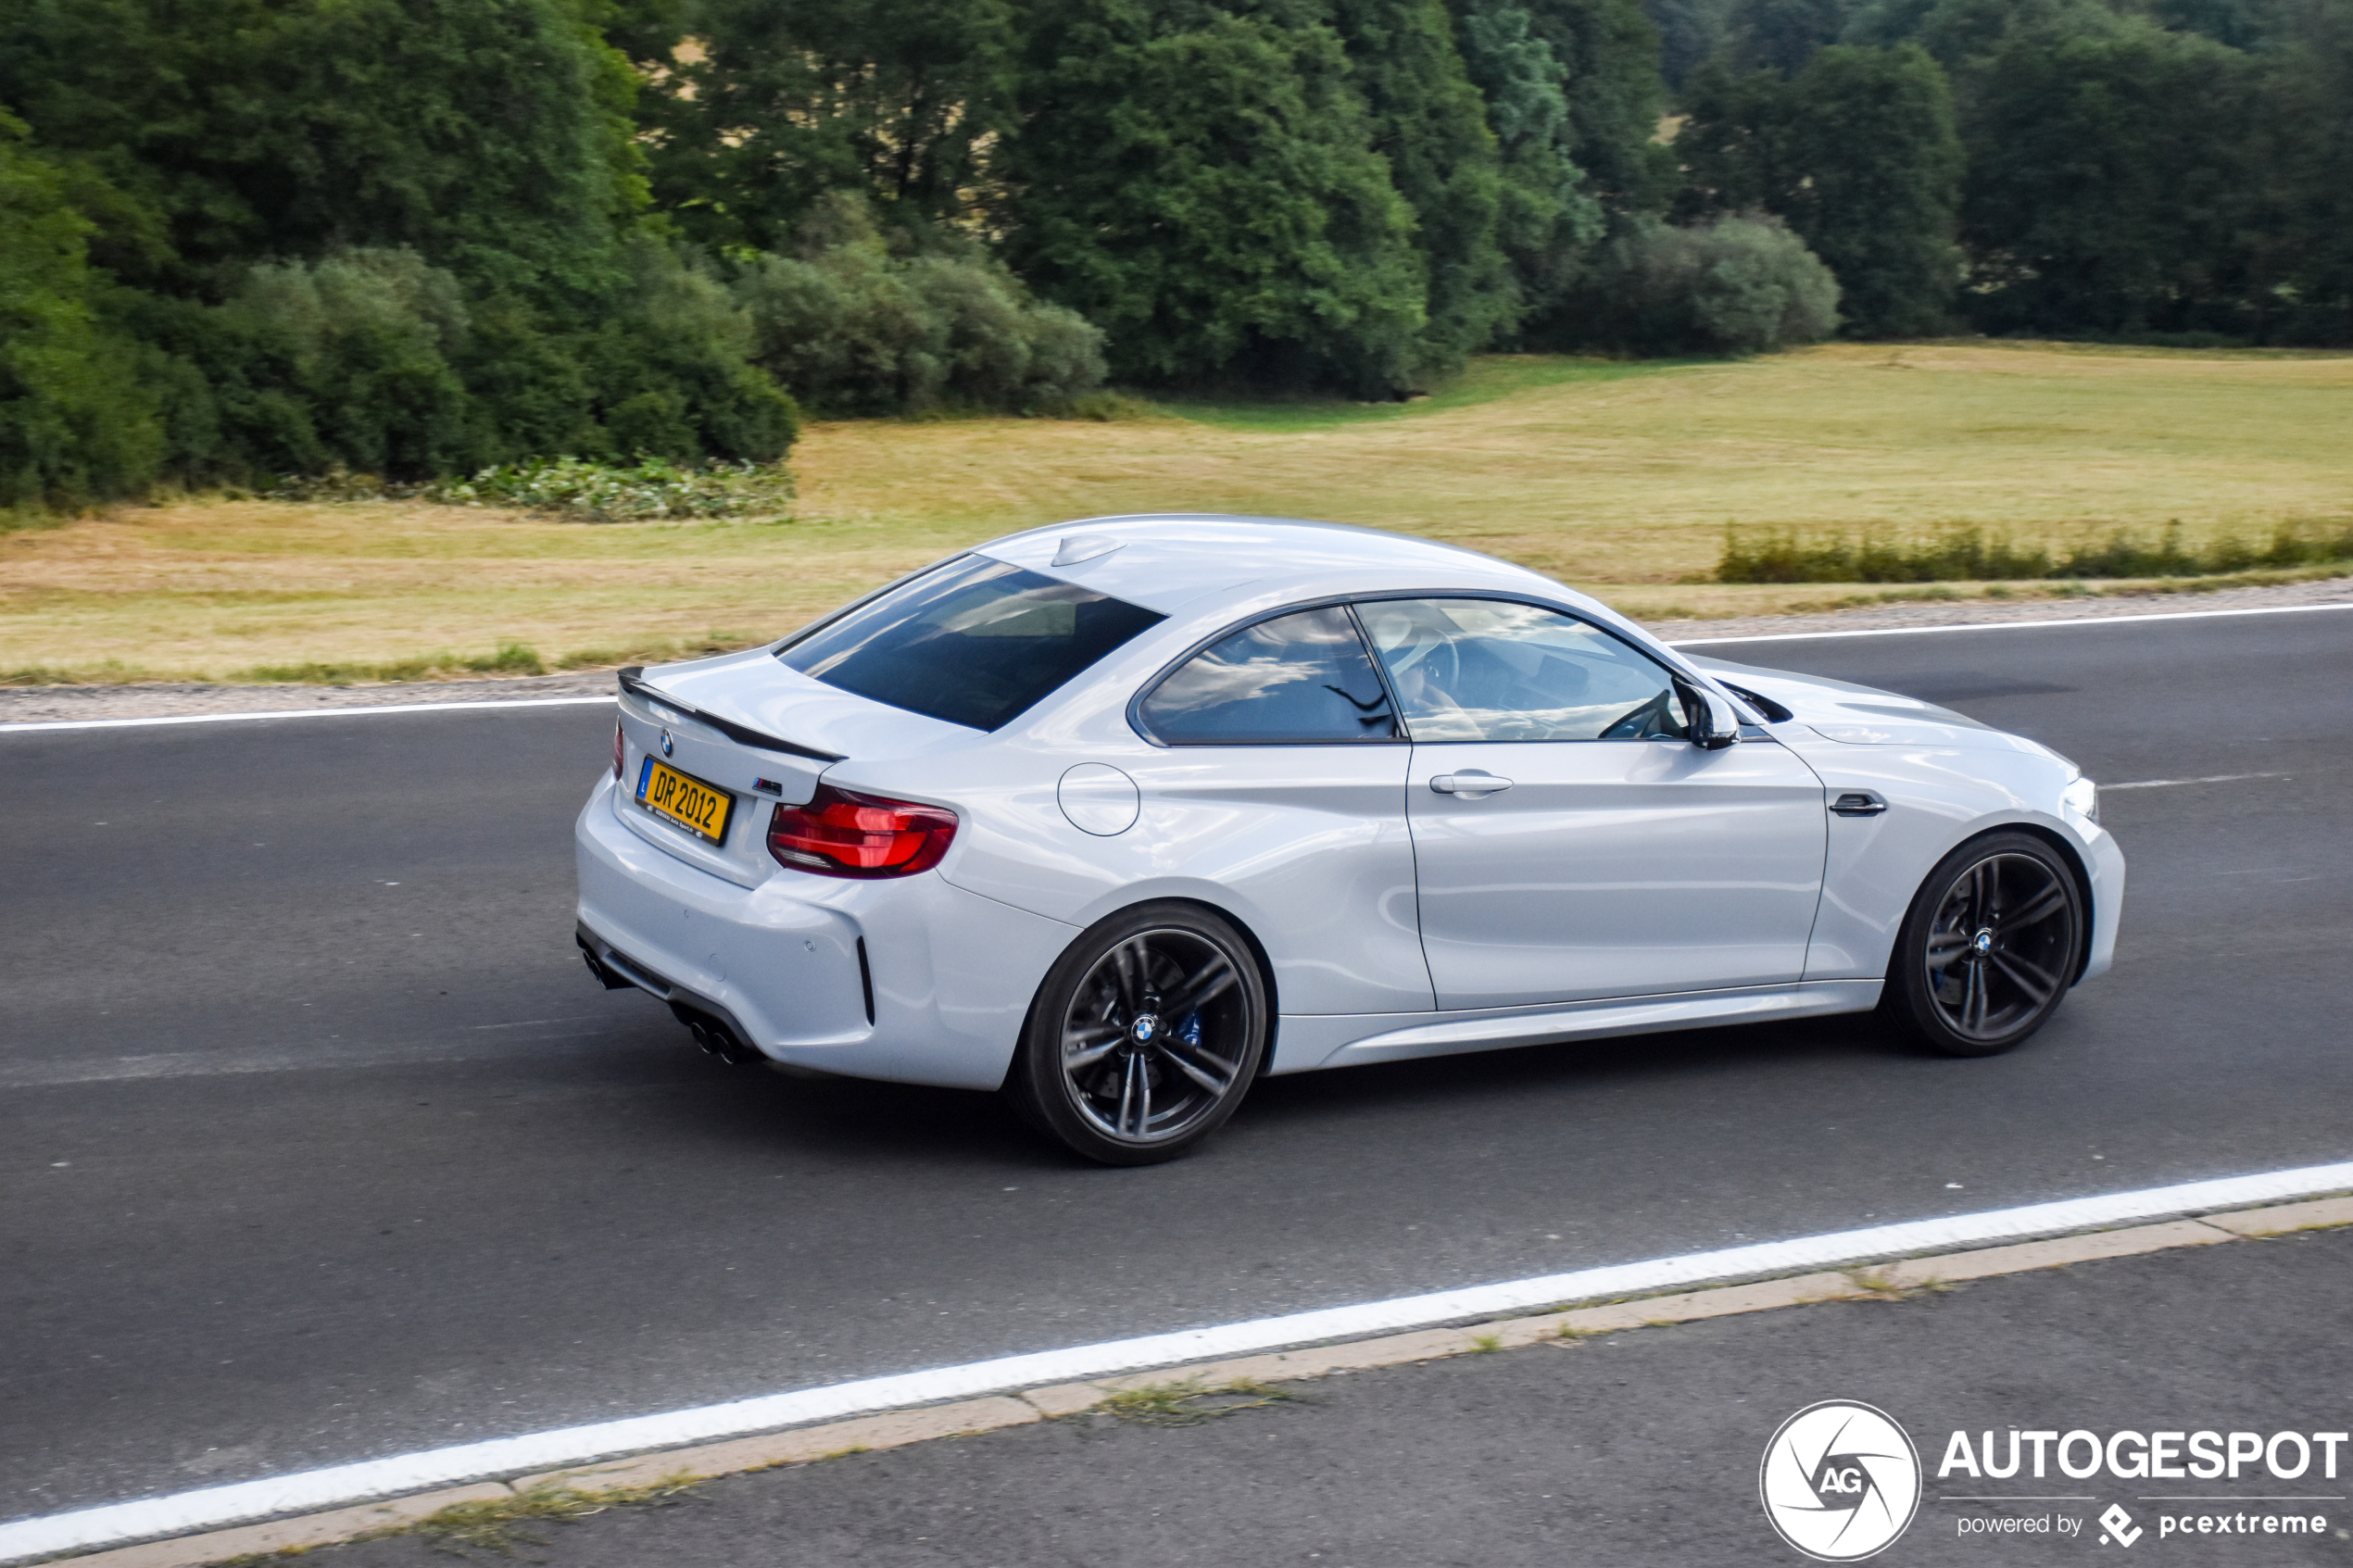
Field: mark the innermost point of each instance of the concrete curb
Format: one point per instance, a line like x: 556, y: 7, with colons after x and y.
x: 1882, y: 1281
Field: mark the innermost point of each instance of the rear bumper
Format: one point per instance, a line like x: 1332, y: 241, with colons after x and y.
x: 715, y: 1029
x: 790, y: 964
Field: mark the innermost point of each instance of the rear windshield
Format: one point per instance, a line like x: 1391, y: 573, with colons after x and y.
x: 973, y: 641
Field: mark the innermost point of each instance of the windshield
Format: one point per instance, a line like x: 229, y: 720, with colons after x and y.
x: 973, y: 641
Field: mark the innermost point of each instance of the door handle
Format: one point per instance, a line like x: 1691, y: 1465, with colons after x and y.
x: 1471, y: 786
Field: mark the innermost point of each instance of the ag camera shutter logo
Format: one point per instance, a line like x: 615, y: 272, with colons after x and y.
x: 1840, y: 1481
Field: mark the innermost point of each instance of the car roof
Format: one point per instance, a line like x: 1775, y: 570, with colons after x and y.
x: 1162, y: 560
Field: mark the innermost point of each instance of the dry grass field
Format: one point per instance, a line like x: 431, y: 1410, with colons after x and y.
x: 1620, y: 479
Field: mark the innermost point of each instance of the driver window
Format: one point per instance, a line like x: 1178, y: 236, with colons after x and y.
x: 1489, y: 670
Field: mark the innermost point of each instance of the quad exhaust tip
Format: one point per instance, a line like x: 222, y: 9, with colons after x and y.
x: 717, y: 1040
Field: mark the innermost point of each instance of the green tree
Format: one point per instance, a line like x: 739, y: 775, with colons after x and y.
x: 400, y: 235
x: 491, y: 136
x: 774, y: 105
x: 1781, y: 35
x: 1608, y: 54
x: 2242, y: 24
x: 2109, y: 188
x: 1689, y: 31
x: 2302, y: 143
x: 1884, y: 23
x: 1201, y: 186
x: 76, y: 423
x: 1964, y: 34
x: 1546, y: 221
x: 1425, y: 117
x: 1859, y: 155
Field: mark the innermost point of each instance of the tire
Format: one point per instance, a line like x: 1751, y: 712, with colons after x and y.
x: 1989, y: 948
x: 1146, y: 1034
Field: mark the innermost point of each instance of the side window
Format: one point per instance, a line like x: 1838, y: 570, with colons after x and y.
x: 1301, y: 678
x: 1491, y: 669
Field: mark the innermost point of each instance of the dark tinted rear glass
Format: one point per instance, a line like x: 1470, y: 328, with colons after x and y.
x: 973, y: 641
x: 1301, y: 679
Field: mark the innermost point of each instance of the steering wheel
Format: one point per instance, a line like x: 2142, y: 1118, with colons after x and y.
x: 1444, y: 663
x: 1437, y: 665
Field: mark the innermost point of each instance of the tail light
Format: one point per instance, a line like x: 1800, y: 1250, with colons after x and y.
x: 838, y: 833
x: 616, y: 750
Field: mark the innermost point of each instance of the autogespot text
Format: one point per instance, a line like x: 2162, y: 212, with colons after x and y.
x: 2153, y: 1456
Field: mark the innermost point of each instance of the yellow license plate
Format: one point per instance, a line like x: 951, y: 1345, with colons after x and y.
x: 702, y: 809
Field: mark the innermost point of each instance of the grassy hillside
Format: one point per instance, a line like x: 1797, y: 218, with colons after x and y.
x: 1621, y: 479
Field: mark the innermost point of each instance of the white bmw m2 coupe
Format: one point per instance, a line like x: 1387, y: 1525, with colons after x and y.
x: 1117, y: 816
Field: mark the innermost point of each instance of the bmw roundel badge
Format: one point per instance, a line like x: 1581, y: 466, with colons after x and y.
x: 666, y: 746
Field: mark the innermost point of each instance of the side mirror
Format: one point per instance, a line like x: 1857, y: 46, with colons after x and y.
x: 1714, y: 725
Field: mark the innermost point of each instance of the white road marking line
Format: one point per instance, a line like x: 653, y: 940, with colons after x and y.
x: 380, y: 707
x: 2005, y: 625
x: 2171, y: 783
x: 337, y: 1485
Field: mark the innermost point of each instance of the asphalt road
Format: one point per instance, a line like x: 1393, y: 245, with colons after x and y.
x: 1636, y: 1447
x: 318, y: 1143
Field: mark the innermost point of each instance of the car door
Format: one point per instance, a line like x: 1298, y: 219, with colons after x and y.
x: 1570, y: 841
x: 1278, y: 780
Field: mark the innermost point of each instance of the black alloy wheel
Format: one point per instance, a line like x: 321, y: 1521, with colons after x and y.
x: 1990, y: 947
x: 1145, y: 1036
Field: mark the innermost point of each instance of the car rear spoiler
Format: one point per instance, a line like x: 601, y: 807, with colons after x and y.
x: 633, y: 682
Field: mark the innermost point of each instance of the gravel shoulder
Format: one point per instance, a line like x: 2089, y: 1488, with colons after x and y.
x: 22, y: 705
x: 47, y: 704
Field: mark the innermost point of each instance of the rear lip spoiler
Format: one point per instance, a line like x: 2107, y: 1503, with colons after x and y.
x: 633, y: 682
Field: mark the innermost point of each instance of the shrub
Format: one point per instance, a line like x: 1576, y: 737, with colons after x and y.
x: 1971, y: 555
x: 1735, y: 285
x: 672, y: 367
x: 649, y: 491
x: 373, y: 362
x: 853, y: 328
x: 349, y: 360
